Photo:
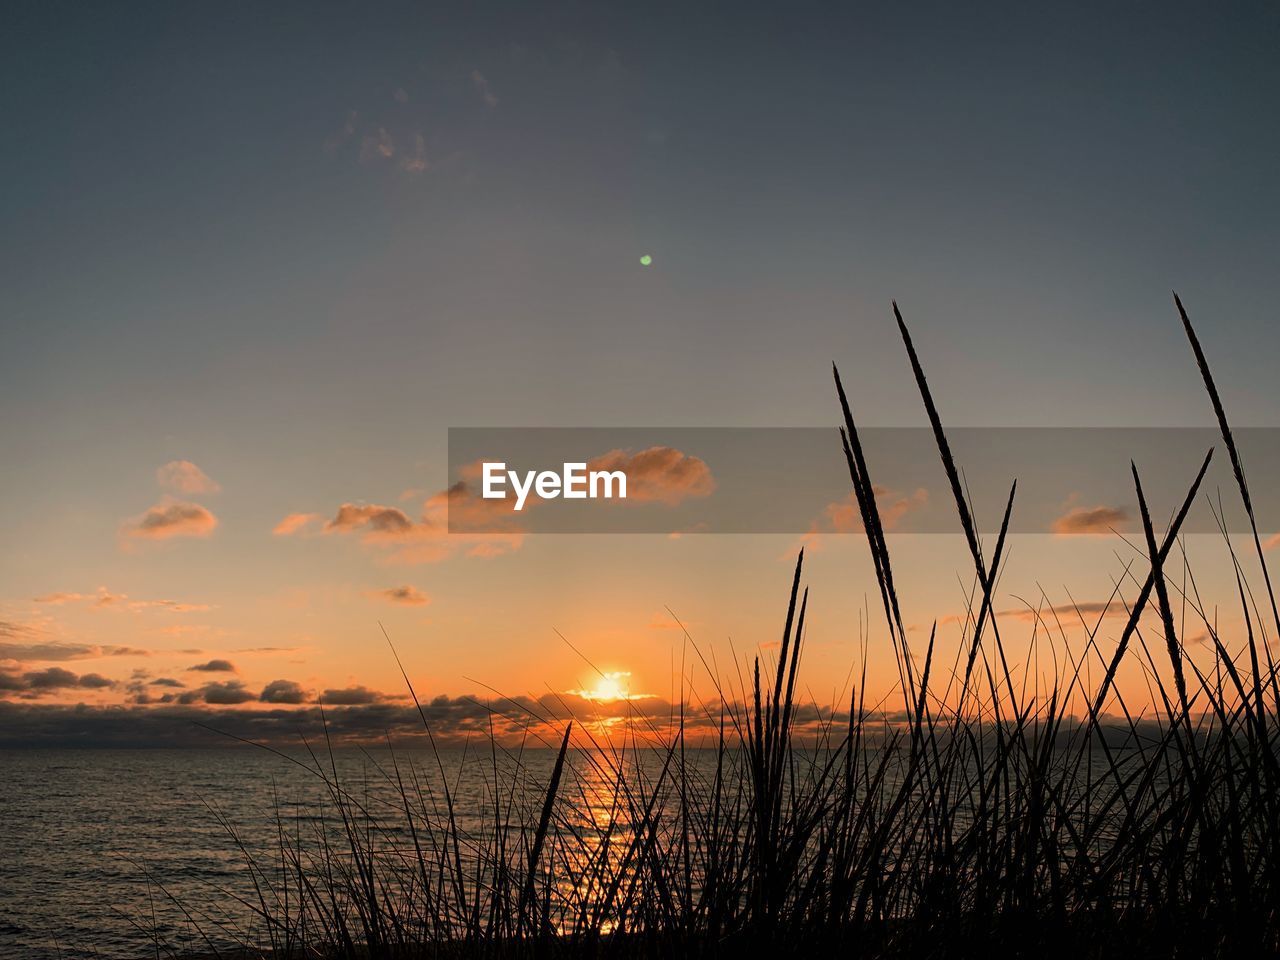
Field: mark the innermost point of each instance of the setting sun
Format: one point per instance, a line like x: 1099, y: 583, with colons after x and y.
x: 609, y: 688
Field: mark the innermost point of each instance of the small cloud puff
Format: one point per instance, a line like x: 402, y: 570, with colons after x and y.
x: 406, y: 596
x: 215, y: 666
x: 171, y: 518
x: 1090, y: 520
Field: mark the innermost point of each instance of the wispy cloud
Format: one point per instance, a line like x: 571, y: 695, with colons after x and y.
x: 1068, y: 614
x: 1080, y: 520
x: 479, y: 81
x: 58, y: 652
x: 415, y: 159
x: 377, y: 145
x: 846, y: 517
x: 104, y: 599
x: 57, y: 599
x: 185, y: 477
x: 294, y: 523
x: 405, y: 596
x: 663, y: 620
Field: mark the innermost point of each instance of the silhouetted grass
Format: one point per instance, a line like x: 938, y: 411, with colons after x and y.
x: 983, y: 819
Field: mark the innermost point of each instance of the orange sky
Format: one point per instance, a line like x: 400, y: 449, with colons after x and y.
x: 171, y: 619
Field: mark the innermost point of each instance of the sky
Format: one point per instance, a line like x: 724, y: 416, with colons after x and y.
x: 258, y: 261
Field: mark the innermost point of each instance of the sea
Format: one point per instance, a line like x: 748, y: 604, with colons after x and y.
x: 104, y: 853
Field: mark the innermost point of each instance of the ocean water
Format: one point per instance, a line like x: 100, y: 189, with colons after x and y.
x: 99, y: 848
x: 104, y: 852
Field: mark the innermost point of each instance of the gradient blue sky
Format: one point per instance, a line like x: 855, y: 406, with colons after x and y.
x: 293, y: 244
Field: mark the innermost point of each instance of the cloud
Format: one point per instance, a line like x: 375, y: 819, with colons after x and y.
x: 38, y: 683
x: 25, y: 631
x: 294, y: 523
x: 352, y: 696
x: 1271, y: 542
x: 1087, y: 609
x: 659, y: 474
x: 53, y: 678
x: 215, y: 666
x: 427, y: 540
x: 461, y: 508
x: 185, y: 477
x: 57, y: 599
x: 1070, y: 614
x: 371, y: 518
x: 1089, y: 520
x: 377, y: 146
x: 846, y: 517
x: 105, y: 599
x: 663, y: 620
x: 482, y: 87
x: 407, y: 596
x: 366, y: 718
x: 171, y: 518
x: 416, y: 160
x: 453, y: 720
x: 219, y: 693
x: 283, y: 691
x: 55, y: 651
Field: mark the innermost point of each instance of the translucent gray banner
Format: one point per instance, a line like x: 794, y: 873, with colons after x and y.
x: 1071, y: 481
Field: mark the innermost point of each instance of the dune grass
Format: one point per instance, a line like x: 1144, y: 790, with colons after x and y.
x: 980, y: 818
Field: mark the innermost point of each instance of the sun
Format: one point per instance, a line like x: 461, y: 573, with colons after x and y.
x: 609, y: 688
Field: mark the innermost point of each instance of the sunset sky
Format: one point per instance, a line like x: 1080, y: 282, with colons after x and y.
x: 258, y: 261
